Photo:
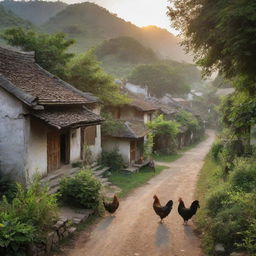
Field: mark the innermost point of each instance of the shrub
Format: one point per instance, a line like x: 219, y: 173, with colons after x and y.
x: 148, y: 146
x: 35, y: 205
x: 26, y: 218
x: 7, y: 187
x: 216, y: 149
x: 244, y: 176
x: 216, y: 200
x: 112, y: 159
x: 249, y: 238
x: 81, y: 190
x: 14, y: 235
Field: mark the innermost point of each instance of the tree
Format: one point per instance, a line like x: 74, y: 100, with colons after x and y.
x: 86, y: 74
x: 161, y: 78
x: 164, y: 134
x: 221, y: 34
x: 50, y: 50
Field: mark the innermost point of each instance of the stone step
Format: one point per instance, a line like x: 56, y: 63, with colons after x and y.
x: 100, y: 172
x: 95, y: 168
x: 131, y: 169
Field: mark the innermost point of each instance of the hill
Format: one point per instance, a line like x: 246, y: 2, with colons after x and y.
x: 91, y: 24
x: 120, y: 55
x: 37, y: 12
x: 9, y: 19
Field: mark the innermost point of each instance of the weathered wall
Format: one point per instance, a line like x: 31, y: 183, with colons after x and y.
x: 109, y: 144
x: 13, y: 135
x: 37, y: 148
x: 75, y: 145
x: 147, y: 117
x: 96, y: 148
x: 131, y: 113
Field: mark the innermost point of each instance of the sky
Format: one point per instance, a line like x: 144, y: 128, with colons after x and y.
x: 139, y: 12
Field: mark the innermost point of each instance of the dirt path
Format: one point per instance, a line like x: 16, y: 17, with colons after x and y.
x: 135, y: 230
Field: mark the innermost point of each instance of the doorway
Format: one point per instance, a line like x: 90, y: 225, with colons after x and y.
x: 64, y: 148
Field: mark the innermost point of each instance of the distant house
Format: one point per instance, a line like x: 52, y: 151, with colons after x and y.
x: 131, y: 135
x: 44, y: 122
x: 170, y: 107
x: 137, y: 89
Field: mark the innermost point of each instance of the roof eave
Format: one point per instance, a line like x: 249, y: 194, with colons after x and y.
x: 18, y: 93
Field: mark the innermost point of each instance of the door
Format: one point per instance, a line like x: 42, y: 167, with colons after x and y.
x: 53, y: 151
x: 133, y: 149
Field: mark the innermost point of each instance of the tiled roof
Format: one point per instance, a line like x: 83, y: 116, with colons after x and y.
x: 75, y: 117
x: 22, y: 72
x: 130, y: 130
x: 166, y: 109
x: 139, y: 102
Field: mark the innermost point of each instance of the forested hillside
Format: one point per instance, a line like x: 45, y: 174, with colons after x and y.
x: 9, y: 19
x: 120, y: 55
x: 91, y: 24
x: 37, y: 12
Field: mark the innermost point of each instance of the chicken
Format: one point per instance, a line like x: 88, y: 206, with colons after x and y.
x: 162, y: 211
x: 112, y: 207
x: 187, y: 213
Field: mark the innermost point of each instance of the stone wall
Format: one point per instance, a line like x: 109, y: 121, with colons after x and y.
x: 63, y: 228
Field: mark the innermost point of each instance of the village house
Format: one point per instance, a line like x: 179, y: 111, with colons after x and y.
x: 45, y: 123
x: 130, y: 136
x: 169, y: 108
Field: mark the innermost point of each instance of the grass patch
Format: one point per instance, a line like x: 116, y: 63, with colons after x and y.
x: 128, y: 182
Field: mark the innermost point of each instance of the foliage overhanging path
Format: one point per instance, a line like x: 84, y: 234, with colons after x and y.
x: 135, y: 229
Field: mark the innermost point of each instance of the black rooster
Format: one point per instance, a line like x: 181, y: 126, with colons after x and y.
x: 187, y: 213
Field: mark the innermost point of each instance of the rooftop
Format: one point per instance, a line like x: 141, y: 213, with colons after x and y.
x: 129, y: 130
x: 20, y: 74
x: 75, y: 117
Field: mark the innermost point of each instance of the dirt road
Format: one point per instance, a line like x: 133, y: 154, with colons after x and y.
x: 135, y: 230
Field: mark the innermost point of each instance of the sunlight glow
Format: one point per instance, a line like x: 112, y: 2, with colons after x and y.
x: 139, y: 12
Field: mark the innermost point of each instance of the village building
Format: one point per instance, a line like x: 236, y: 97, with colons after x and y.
x: 131, y: 133
x: 45, y: 123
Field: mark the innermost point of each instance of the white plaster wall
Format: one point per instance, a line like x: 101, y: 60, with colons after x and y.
x: 13, y: 135
x: 146, y: 117
x: 75, y: 145
x: 109, y: 144
x: 37, y: 149
x: 96, y: 148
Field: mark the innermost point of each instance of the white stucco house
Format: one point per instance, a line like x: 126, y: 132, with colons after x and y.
x: 44, y: 121
x: 132, y: 132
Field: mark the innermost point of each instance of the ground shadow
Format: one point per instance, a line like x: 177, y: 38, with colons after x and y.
x: 189, y: 232
x: 162, y: 236
x: 103, y: 225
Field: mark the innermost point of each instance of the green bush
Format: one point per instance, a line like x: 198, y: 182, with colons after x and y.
x: 216, y: 149
x: 7, y: 187
x: 244, y: 176
x: 14, y: 235
x: 249, y: 238
x: 81, y: 190
x: 27, y: 217
x: 215, y: 201
x: 112, y: 159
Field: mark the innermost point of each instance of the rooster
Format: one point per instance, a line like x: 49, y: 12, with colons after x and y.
x: 187, y: 213
x: 162, y: 211
x: 112, y: 207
